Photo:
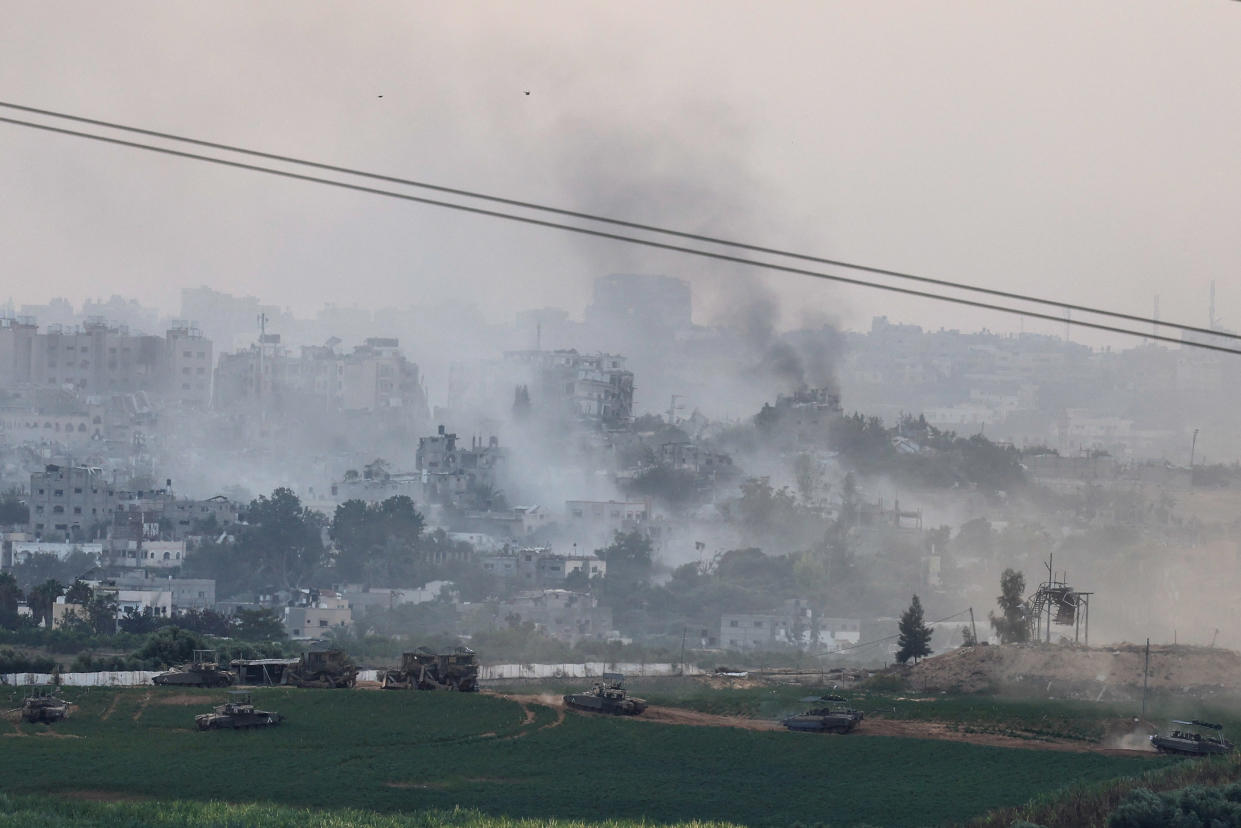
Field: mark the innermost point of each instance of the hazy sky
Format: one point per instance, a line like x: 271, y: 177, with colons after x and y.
x: 1086, y: 151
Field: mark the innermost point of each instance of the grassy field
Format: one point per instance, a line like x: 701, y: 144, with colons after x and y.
x: 1021, y: 717
x: 40, y: 812
x: 392, y: 753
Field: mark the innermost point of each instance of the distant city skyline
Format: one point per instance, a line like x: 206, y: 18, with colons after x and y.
x: 1068, y: 151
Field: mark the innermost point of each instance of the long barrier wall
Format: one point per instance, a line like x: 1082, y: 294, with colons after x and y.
x: 489, y: 672
x: 590, y: 669
x: 121, y: 678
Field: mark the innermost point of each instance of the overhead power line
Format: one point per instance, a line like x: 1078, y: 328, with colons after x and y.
x: 530, y: 205
x: 587, y: 231
x: 875, y: 641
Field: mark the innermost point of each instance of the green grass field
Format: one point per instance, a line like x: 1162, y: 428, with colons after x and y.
x: 407, y: 752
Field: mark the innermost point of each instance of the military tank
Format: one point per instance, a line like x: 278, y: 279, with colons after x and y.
x: 836, y: 717
x: 323, y: 668
x: 237, y: 713
x: 1196, y: 739
x: 43, y: 705
x: 203, y: 671
x: 427, y: 670
x: 607, y: 696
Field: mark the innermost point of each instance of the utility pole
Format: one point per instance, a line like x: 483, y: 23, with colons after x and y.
x: 973, y: 628
x: 1192, y: 447
x: 683, y: 631
x: 1050, y: 577
x: 1146, y: 671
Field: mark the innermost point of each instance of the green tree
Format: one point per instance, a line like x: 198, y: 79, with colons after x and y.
x: 79, y: 593
x: 170, y: 646
x: 283, y: 540
x: 10, y: 595
x: 41, y: 598
x: 101, y: 613
x: 1011, y: 623
x: 377, y: 541
x: 628, y: 555
x: 257, y: 625
x: 914, y: 640
x: 13, y: 509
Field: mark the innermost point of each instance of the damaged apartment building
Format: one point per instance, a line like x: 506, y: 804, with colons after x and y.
x: 453, y: 475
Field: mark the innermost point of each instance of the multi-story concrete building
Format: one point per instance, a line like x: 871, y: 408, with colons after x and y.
x: 186, y: 593
x: 70, y: 502
x: 594, y: 388
x: 17, y: 335
x: 317, y: 612
x: 539, y: 566
x: 794, y: 624
x: 592, y: 523
x: 375, y: 377
x: 560, y: 613
x: 97, y: 358
x: 188, y: 369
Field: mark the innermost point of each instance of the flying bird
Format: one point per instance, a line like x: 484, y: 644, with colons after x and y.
x: 527, y: 91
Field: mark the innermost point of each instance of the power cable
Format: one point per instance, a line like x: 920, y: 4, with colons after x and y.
x: 617, y: 237
x: 530, y: 205
x: 896, y: 635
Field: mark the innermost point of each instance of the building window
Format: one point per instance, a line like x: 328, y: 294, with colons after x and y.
x: 733, y: 623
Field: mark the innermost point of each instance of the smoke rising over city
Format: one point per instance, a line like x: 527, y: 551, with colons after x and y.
x: 287, y: 390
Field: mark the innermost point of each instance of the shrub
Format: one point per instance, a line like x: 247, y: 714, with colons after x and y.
x: 12, y: 661
x: 1192, y: 806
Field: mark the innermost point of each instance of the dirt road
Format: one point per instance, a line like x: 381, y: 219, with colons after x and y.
x: 905, y: 729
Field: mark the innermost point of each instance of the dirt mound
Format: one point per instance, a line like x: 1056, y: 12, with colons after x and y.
x: 1070, y: 671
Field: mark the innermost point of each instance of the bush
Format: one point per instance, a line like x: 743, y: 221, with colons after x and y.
x: 12, y: 661
x: 1184, y: 808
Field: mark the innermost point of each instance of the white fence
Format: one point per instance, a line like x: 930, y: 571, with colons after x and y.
x: 119, y: 678
x: 589, y: 669
x: 491, y: 672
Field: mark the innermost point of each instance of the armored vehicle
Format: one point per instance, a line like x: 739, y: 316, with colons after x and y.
x: 836, y: 717
x: 237, y: 713
x: 1196, y: 739
x: 203, y: 671
x: 607, y: 696
x: 425, y: 670
x: 42, y: 705
x: 323, y: 668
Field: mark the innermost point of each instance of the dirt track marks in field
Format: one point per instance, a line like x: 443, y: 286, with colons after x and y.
x: 181, y: 700
x: 107, y: 714
x: 869, y: 727
x: 528, y: 703
x: 142, y: 706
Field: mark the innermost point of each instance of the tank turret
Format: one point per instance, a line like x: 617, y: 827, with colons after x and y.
x: 607, y: 696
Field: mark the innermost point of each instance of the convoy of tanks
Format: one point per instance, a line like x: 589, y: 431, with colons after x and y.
x: 458, y: 670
